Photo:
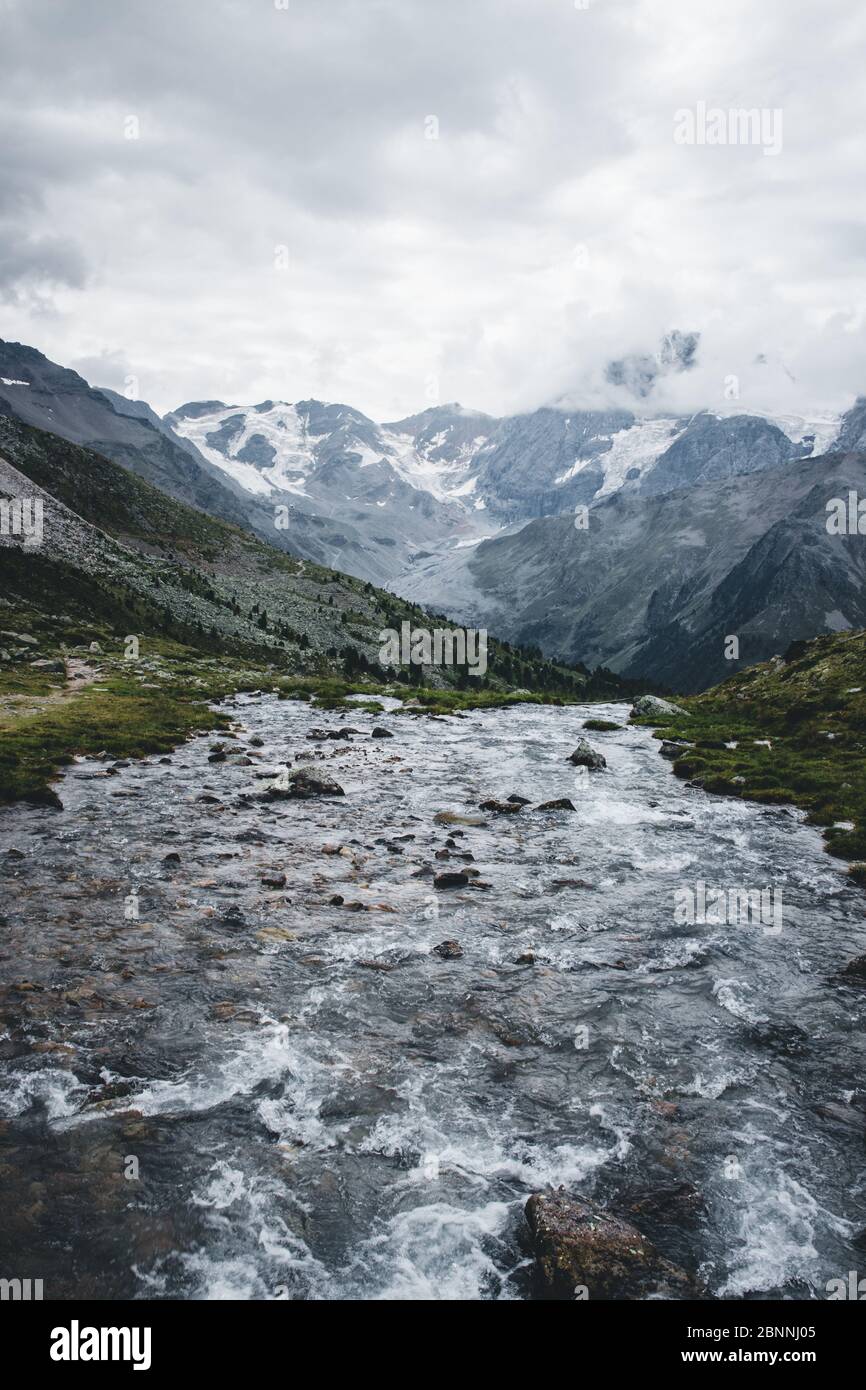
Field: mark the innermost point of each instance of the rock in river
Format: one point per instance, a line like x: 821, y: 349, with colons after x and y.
x: 585, y: 755
x: 855, y: 971
x: 448, y: 950
x: 455, y: 878
x: 305, y: 783
x: 579, y: 1245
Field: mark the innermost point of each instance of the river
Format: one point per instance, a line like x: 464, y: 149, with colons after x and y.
x: 218, y: 1088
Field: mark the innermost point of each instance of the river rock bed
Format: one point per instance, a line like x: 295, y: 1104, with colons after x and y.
x: 329, y: 1045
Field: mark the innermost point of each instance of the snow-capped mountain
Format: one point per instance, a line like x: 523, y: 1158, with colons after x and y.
x: 387, y: 491
x: 400, y: 498
x: 474, y: 515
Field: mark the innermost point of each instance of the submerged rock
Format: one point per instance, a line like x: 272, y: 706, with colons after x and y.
x: 379, y: 732
x: 679, y: 1204
x: 453, y: 878
x: 561, y: 804
x: 453, y: 818
x: 502, y: 808
x: 855, y: 971
x: 578, y: 1245
x: 234, y: 919
x: 448, y: 950
x: 585, y: 755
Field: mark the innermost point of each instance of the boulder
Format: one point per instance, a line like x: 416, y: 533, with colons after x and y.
x: 674, y: 748
x: 578, y: 1245
x: 585, y: 755
x: 454, y: 878
x: 502, y: 808
x: 562, y: 803
x: 305, y: 783
x: 379, y: 732
x: 47, y: 664
x: 649, y: 706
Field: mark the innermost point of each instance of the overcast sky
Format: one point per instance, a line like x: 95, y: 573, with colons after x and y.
x: 284, y: 227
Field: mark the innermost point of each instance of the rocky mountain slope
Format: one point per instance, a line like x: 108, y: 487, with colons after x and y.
x: 354, y: 494
x: 38, y: 392
x: 654, y: 584
x: 119, y: 555
x: 694, y: 526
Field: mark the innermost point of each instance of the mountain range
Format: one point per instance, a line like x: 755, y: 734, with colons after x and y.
x: 619, y: 537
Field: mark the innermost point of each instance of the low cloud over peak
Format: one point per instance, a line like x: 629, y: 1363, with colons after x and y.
x: 398, y: 204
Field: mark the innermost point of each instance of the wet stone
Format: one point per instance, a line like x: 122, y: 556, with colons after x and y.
x: 448, y: 950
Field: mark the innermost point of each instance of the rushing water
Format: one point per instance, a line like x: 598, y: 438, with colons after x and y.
x: 232, y: 1096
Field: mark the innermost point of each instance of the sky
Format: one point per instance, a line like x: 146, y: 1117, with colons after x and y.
x: 393, y: 203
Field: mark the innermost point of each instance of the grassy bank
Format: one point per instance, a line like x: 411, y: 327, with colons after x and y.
x: 790, y: 731
x: 132, y: 708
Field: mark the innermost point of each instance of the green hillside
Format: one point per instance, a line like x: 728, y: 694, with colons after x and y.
x: 810, y: 707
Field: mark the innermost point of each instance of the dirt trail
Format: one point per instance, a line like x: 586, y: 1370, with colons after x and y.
x: 78, y: 675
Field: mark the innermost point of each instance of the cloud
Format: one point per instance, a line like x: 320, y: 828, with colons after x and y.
x: 246, y: 202
x: 30, y: 269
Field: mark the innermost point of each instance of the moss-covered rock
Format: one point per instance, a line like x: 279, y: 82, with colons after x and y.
x: 582, y: 1251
